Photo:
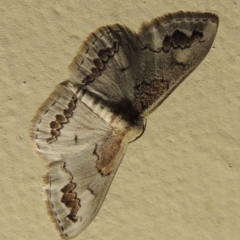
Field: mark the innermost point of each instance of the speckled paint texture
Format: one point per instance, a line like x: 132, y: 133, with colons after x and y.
x: 180, y: 180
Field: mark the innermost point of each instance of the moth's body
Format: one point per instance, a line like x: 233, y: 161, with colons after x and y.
x: 117, y: 120
x: 116, y: 80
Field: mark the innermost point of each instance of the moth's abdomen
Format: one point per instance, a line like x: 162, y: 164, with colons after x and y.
x: 97, y: 105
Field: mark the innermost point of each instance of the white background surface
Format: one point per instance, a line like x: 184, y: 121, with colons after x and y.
x: 181, y: 180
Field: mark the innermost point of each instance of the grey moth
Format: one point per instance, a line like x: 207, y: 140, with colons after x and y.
x: 116, y: 80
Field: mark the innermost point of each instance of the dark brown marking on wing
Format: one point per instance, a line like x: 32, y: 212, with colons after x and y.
x: 177, y: 40
x: 61, y: 119
x: 146, y: 94
x: 91, y: 191
x: 180, y: 40
x: 101, y: 62
x: 76, y: 139
x: 70, y: 198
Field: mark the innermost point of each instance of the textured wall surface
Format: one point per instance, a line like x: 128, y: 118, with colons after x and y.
x: 181, y: 180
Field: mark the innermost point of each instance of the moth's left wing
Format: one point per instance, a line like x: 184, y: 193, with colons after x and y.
x: 76, y: 133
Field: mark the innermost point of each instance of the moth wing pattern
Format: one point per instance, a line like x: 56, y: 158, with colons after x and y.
x: 104, y: 63
x: 172, y: 46
x: 73, y: 137
x: 117, y: 78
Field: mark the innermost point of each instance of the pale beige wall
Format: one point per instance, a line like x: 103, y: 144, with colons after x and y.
x: 181, y: 180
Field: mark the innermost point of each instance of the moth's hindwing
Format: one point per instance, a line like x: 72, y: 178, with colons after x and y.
x: 76, y: 132
x: 117, y: 78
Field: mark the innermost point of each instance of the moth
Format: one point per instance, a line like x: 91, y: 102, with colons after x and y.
x: 116, y: 80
